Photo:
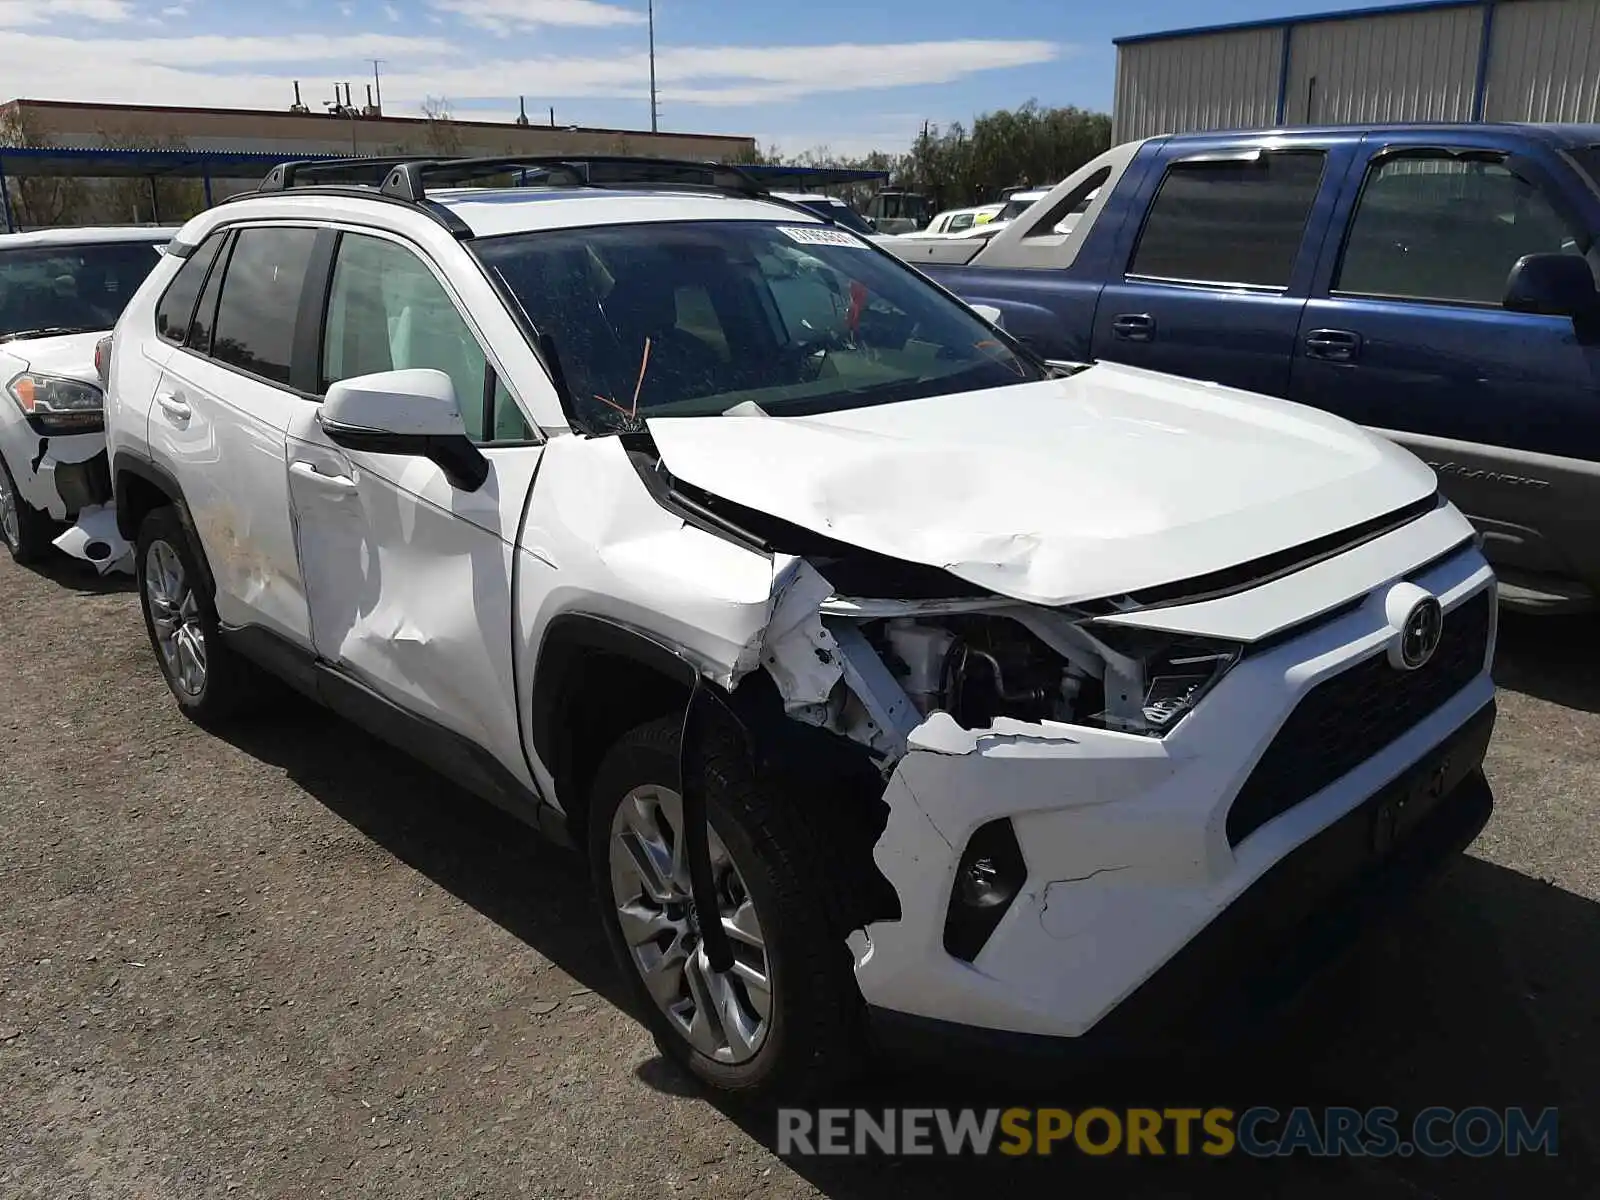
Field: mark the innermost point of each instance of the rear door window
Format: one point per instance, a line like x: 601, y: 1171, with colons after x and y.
x: 261, y: 301
x: 1231, y: 222
x: 1440, y: 228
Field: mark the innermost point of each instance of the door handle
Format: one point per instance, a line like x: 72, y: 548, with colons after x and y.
x: 308, y: 472
x: 1134, y: 327
x: 175, y: 408
x: 1333, y: 345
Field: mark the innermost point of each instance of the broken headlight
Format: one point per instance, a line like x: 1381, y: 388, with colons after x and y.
x: 54, y: 405
x: 1153, y: 678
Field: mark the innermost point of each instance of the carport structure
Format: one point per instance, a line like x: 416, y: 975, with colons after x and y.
x: 30, y: 162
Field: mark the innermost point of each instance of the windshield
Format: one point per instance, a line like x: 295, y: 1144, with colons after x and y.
x: 839, y: 213
x: 70, y: 289
x: 688, y: 319
x: 1015, y: 208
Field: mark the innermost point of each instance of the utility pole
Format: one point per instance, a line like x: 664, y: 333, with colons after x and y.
x: 655, y: 110
x: 377, y: 84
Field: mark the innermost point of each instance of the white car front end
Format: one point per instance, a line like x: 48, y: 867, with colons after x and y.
x: 1047, y: 868
x: 61, y: 291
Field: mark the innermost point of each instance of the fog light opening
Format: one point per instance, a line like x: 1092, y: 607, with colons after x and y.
x: 988, y: 878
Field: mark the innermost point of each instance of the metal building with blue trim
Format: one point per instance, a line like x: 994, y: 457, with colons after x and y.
x: 1437, y: 60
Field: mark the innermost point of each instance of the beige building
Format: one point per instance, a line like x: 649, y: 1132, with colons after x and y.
x: 58, y: 123
x: 74, y: 187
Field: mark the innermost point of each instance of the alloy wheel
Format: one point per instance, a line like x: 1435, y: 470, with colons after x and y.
x: 725, y: 1016
x: 10, y: 519
x: 175, y: 617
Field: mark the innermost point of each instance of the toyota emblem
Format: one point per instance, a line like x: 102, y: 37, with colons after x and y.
x: 1419, y: 636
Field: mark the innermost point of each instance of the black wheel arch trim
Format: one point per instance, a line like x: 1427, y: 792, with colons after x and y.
x: 566, y: 638
x: 127, y: 465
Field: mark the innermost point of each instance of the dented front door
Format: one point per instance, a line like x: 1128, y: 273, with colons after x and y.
x: 409, y: 580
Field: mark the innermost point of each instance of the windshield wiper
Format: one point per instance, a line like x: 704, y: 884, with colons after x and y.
x: 49, y: 331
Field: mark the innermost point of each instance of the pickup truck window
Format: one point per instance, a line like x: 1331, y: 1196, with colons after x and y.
x: 1588, y: 159
x: 1442, y: 229
x: 1062, y: 218
x: 1230, y: 222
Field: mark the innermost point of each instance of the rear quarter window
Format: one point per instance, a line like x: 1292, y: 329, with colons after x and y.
x: 175, y: 309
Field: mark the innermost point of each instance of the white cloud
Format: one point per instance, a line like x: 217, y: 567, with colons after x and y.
x: 205, y: 70
x: 175, y: 10
x: 391, y: 12
x: 502, y: 16
x: 17, y: 13
x: 726, y: 75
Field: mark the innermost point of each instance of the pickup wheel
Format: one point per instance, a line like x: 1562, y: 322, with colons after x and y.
x: 26, y: 531
x: 785, y: 1021
x: 207, y: 678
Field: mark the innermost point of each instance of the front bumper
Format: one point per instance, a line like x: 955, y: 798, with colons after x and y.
x: 1135, y: 891
x: 1253, y: 958
x: 58, y: 475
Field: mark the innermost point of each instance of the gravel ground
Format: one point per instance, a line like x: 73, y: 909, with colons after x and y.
x: 291, y: 963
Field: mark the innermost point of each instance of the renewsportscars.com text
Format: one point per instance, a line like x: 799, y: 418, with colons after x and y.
x: 1259, y: 1132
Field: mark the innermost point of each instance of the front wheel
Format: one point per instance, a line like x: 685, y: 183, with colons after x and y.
x: 785, y: 1019
x: 26, y: 531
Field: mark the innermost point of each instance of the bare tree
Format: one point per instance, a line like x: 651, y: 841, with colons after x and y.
x: 133, y: 199
x: 441, y: 137
x: 38, y: 200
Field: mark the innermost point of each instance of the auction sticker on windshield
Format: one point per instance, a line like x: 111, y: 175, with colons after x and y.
x: 816, y: 236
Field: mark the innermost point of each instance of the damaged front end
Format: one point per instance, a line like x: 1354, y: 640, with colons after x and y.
x: 930, y: 680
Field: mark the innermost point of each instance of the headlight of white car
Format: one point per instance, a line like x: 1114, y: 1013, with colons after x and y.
x: 1153, y: 678
x: 55, y: 405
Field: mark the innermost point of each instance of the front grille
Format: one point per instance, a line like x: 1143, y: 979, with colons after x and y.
x: 1346, y: 719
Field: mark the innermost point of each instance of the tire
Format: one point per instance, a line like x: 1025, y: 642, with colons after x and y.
x: 170, y: 591
x: 26, y: 532
x: 811, y: 1038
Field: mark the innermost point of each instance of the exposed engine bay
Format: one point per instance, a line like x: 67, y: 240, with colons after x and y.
x: 979, y: 666
x: 873, y: 670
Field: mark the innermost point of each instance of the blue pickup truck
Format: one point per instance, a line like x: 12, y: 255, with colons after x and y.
x: 1436, y: 283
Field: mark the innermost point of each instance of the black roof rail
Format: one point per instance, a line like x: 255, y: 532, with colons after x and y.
x: 313, y: 171
x: 404, y: 179
x: 409, y: 180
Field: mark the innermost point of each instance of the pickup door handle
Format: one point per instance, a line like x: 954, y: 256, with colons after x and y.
x: 175, y: 408
x: 1333, y: 345
x: 1134, y: 327
x: 332, y: 483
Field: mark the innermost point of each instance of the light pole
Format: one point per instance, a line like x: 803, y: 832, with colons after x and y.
x: 654, y: 110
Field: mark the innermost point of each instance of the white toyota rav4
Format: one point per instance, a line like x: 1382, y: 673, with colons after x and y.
x: 898, y: 686
x: 60, y: 290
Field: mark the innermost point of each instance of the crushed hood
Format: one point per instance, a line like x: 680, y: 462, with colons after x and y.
x: 69, y: 355
x: 1110, y: 481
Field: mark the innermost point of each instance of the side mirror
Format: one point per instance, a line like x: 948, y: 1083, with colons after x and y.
x: 990, y: 314
x: 1559, y: 285
x: 405, y: 412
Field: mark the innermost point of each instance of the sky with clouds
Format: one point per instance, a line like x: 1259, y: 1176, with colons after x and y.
x: 849, y: 74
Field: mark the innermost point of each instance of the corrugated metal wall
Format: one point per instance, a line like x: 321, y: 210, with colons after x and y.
x: 1213, y: 81
x: 1544, y: 61
x: 1408, y: 67
x: 1543, y: 65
